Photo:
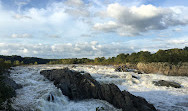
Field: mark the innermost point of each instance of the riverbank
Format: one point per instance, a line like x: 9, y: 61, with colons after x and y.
x: 180, y: 69
x: 7, y: 90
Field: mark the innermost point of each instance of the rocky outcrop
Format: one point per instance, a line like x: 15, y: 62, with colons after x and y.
x: 11, y: 83
x: 79, y: 86
x: 126, y: 68
x: 7, y: 90
x: 121, y: 68
x: 167, y: 83
x: 180, y: 69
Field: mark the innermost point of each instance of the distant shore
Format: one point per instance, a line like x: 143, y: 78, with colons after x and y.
x: 180, y: 69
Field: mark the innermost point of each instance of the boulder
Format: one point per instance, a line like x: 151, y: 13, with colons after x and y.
x: 11, y: 83
x: 78, y: 87
x: 167, y: 83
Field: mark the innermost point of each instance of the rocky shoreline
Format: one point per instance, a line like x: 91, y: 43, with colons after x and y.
x: 8, y: 90
x: 180, y: 69
x: 79, y: 86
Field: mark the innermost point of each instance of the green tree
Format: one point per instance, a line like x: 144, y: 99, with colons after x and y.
x: 121, y: 58
x: 133, y: 58
x: 186, y: 48
x: 16, y: 63
x: 144, y: 56
x: 35, y: 63
x: 22, y: 63
x: 7, y: 62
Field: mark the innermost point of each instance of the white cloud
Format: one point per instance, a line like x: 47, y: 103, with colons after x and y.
x: 67, y: 50
x: 77, y: 9
x: 110, y: 26
x: 25, y: 35
x: 77, y: 3
x: 25, y: 50
x: 177, y: 30
x: 90, y: 49
x: 37, y: 21
x: 178, y: 41
x: 18, y: 16
x: 132, y: 21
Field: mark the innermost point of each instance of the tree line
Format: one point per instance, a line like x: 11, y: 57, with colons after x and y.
x: 18, y: 60
x: 171, y: 56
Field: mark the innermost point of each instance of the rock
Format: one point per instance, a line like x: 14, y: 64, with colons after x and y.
x: 124, y: 68
x: 78, y: 87
x: 50, y: 98
x: 133, y: 76
x: 121, y: 68
x: 180, y: 69
x: 139, y: 72
x: 73, y: 66
x: 7, y: 91
x: 82, y: 72
x: 167, y: 83
x: 11, y: 83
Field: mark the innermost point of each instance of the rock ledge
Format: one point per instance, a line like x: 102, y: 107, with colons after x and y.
x: 78, y: 87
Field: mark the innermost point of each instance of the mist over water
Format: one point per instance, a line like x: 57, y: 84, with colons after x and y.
x: 40, y: 94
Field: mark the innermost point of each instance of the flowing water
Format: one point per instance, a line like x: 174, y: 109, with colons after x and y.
x: 39, y: 94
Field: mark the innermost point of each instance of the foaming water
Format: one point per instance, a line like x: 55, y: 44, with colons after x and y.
x: 40, y: 94
x: 163, y: 98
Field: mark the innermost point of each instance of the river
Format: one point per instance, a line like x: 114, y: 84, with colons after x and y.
x: 36, y: 92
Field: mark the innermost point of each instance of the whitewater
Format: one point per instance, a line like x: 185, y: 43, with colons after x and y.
x: 36, y: 91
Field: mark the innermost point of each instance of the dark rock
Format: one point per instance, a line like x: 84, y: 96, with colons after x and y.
x: 139, y: 72
x: 121, y: 68
x: 7, y: 91
x: 135, y: 77
x: 11, y: 83
x: 82, y: 72
x: 73, y: 66
x: 78, y: 87
x: 167, y: 83
x: 50, y: 98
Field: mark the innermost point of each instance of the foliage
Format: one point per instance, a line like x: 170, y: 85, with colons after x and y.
x: 18, y: 60
x: 171, y: 56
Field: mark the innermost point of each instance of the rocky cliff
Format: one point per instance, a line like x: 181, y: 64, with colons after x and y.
x: 180, y: 69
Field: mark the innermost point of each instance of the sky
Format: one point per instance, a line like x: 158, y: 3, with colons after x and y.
x: 91, y: 28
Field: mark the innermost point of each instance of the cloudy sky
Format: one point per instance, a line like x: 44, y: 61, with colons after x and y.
x: 91, y: 28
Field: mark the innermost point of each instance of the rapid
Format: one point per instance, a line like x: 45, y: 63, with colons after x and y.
x: 37, y: 92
